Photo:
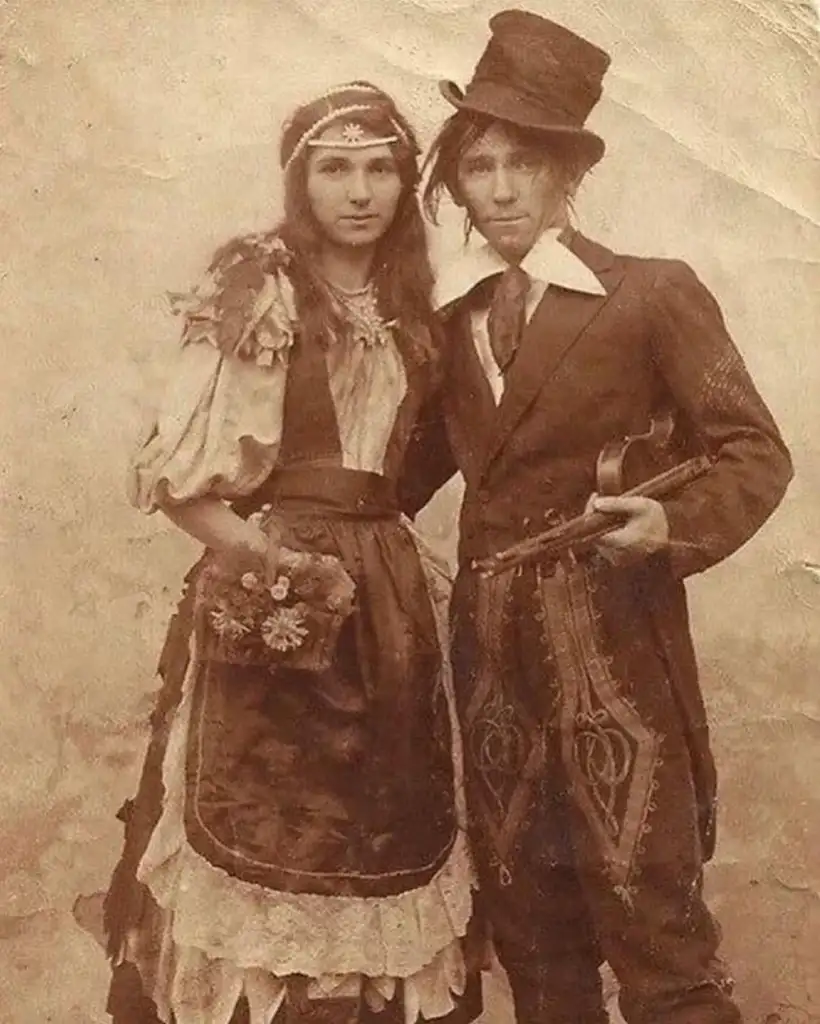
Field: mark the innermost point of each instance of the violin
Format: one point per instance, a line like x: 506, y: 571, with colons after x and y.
x: 638, y: 465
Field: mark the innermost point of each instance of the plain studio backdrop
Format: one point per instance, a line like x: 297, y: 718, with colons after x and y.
x: 139, y: 134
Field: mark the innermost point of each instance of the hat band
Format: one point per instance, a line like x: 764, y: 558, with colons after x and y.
x: 509, y: 103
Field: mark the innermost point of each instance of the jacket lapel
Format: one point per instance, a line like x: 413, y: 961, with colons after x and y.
x: 560, y: 319
x: 471, y: 406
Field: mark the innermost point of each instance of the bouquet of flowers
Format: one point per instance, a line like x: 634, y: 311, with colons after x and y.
x: 292, y: 623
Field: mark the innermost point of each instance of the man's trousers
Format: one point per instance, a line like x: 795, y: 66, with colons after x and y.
x: 582, y: 803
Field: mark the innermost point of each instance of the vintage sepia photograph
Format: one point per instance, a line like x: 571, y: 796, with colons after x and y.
x: 411, y: 487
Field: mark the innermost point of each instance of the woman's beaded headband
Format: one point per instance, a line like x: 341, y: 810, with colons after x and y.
x: 353, y: 135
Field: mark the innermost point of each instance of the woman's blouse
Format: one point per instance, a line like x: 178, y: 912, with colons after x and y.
x: 219, y: 425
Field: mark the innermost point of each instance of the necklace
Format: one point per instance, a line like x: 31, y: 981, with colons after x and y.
x: 360, y: 309
x: 349, y: 292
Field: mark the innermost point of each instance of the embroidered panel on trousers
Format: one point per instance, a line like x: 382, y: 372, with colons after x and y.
x: 505, y: 743
x: 609, y: 753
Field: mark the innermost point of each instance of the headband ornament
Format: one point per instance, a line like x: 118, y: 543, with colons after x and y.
x: 353, y: 134
x: 353, y: 137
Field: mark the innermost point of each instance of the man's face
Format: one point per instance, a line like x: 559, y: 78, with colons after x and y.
x: 512, y: 192
x: 353, y: 193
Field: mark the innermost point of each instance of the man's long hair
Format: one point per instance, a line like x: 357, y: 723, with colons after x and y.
x: 463, y: 129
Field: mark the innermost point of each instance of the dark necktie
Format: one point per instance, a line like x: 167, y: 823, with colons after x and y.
x: 507, y: 315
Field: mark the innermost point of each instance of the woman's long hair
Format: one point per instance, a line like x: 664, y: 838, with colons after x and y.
x: 402, y: 273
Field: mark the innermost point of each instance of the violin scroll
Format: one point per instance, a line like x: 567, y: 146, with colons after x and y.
x: 637, y: 457
x: 642, y: 465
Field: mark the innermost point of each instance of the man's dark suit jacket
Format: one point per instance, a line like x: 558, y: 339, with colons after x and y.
x: 591, y: 369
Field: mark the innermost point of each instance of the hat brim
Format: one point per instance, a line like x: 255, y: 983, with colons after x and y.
x: 524, y: 116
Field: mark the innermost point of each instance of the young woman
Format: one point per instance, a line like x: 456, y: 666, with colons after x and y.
x: 295, y: 851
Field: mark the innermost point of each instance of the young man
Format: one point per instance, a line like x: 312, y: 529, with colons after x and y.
x: 590, y: 777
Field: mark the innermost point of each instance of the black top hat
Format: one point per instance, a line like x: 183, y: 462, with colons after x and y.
x: 537, y: 75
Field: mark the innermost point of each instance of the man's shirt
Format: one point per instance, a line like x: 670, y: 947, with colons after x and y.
x: 549, y: 262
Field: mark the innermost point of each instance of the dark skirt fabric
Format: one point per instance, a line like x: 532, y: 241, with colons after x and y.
x: 341, y: 782
x: 332, y: 783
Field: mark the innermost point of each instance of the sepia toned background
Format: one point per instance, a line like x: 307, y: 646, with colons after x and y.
x: 135, y: 136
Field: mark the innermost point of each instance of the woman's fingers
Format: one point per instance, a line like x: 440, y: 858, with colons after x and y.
x: 272, y: 557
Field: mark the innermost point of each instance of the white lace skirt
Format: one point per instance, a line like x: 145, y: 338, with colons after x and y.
x: 218, y: 938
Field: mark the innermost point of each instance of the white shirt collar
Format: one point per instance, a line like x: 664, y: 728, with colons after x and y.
x: 549, y: 262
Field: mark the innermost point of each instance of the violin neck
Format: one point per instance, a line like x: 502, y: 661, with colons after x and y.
x: 552, y: 544
x: 671, y: 480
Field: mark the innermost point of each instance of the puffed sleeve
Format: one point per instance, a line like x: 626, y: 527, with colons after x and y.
x: 217, y: 431
x: 710, y: 384
x: 219, y: 423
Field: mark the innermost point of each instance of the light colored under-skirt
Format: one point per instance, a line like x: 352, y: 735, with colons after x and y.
x: 217, y: 938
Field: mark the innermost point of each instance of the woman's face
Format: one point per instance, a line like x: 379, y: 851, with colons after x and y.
x: 353, y: 193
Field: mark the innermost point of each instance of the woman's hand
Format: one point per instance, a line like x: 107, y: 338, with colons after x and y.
x: 239, y: 545
x: 238, y: 555
x: 256, y: 550
x: 643, y: 532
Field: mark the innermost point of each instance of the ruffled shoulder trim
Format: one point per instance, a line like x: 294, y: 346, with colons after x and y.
x: 245, y: 307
